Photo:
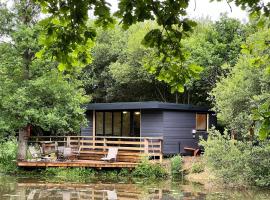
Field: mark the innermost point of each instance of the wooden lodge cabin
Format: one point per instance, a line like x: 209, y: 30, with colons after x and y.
x: 180, y: 125
x: 153, y: 129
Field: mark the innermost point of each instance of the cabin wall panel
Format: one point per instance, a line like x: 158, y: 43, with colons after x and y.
x: 178, y: 128
x: 151, y: 123
x: 212, y: 120
x: 88, y: 129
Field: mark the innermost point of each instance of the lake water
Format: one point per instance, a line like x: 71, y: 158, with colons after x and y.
x: 29, y: 189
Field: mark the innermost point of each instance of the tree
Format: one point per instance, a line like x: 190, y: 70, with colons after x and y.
x: 68, y: 36
x: 215, y: 47
x: 34, y: 94
x: 117, y: 72
x: 246, y: 88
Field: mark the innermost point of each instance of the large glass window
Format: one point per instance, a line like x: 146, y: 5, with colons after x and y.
x: 125, y: 123
x: 136, y: 123
x: 108, y: 123
x: 117, y: 123
x: 201, y: 122
x: 99, y: 123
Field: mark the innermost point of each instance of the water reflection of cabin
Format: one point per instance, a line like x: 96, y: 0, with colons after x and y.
x: 180, y: 125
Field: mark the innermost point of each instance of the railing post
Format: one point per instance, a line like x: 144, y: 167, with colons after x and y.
x: 161, y: 150
x: 68, y: 141
x: 104, y: 143
x: 79, y: 142
x: 146, y: 146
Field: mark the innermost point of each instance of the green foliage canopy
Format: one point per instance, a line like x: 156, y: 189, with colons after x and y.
x: 215, y: 46
x: 69, y: 36
x: 32, y: 91
x: 121, y: 64
x: 117, y: 72
x: 246, y: 88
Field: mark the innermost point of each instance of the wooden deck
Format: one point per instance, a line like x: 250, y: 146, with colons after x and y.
x: 77, y: 163
x: 87, y: 151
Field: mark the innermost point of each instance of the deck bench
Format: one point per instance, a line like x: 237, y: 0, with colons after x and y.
x: 195, y: 151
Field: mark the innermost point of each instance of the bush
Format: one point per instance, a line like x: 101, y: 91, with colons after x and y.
x: 8, y: 156
x: 149, y: 170
x: 197, y: 167
x: 107, y: 174
x: 258, y: 165
x: 237, y: 162
x: 68, y: 174
x: 176, y: 165
x: 124, y: 172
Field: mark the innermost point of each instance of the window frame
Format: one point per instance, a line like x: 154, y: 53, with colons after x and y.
x: 206, y: 122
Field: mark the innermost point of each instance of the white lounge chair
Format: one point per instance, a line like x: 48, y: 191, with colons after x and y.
x: 112, y: 154
x: 31, y: 195
x: 112, y: 195
x: 67, y: 153
x: 36, y: 155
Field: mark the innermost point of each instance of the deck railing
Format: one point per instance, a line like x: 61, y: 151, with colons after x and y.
x: 98, y: 145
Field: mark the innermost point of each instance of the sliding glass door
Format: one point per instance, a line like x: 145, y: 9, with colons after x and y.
x: 118, y: 123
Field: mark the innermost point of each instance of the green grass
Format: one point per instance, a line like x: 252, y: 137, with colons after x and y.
x: 146, y: 169
x: 197, y: 167
x: 176, y: 166
x: 8, y: 156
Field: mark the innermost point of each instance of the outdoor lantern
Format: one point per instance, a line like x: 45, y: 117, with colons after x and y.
x: 193, y: 133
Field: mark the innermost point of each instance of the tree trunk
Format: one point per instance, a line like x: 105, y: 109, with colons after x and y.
x: 251, y: 133
x: 24, y: 133
x: 188, y: 97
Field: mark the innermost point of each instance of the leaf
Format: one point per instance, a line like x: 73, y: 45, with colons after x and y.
x: 152, y: 38
x: 56, y: 21
x: 264, y: 130
x: 40, y: 53
x: 180, y: 88
x: 61, y: 67
x: 245, y: 51
x: 195, y: 68
x: 90, y: 34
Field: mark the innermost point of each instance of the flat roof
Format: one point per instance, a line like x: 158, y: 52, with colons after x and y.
x: 147, y: 105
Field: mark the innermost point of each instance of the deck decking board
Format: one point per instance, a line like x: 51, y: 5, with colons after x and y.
x: 77, y: 163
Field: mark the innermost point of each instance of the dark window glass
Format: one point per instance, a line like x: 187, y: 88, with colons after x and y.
x: 136, y: 123
x: 108, y: 123
x: 99, y: 123
x: 117, y: 123
x: 126, y: 124
x: 201, y: 122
